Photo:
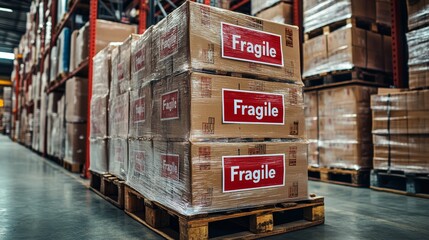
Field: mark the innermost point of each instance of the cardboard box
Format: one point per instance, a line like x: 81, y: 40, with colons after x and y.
x: 383, y: 13
x: 317, y: 14
x: 311, y: 126
x: 118, y: 157
x: 280, y: 13
x: 76, y: 100
x: 418, y: 76
x: 140, y: 171
x: 106, y: 33
x: 121, y: 67
x: 315, y: 52
x: 73, y: 50
x: 189, y: 38
x: 340, y: 154
x: 75, y: 147
x: 189, y: 177
x: 102, y: 74
x: 141, y: 112
x: 417, y: 13
x: 141, y: 60
x: 118, y: 116
x: 99, y: 117
x: 99, y: 156
x: 259, y: 5
x: 204, y: 106
x: 347, y: 48
x: 374, y: 51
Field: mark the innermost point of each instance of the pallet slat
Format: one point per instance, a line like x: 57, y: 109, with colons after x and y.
x: 108, y: 187
x: 245, y: 224
x: 399, y: 182
x: 348, y: 177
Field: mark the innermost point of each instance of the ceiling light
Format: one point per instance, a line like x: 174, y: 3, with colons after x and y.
x: 6, y: 9
x: 6, y: 55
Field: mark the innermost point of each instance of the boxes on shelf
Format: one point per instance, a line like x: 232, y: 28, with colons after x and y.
x: 203, y: 106
x: 418, y: 62
x: 321, y: 13
x: 343, y: 127
x: 400, y: 130
x: 76, y: 100
x: 345, y: 48
x: 199, y: 177
x: 281, y: 13
x: 189, y: 38
x: 103, y: 37
x: 383, y: 12
x: 63, y: 46
x: 75, y: 143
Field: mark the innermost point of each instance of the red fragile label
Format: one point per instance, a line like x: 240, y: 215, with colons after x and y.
x: 250, y: 107
x: 139, y: 161
x: 140, y: 59
x: 168, y: 43
x: 247, y: 172
x: 245, y: 44
x: 170, y: 105
x: 139, y: 110
x: 170, y: 166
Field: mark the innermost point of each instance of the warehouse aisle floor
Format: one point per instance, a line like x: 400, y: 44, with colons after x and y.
x: 39, y: 200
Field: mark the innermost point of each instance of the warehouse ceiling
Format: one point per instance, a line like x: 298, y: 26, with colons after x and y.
x: 12, y: 27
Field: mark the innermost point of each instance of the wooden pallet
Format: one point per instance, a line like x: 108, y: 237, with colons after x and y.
x: 412, y: 184
x: 356, y: 73
x: 345, y: 83
x: 73, y: 167
x: 357, y: 22
x: 348, y: 177
x: 108, y: 187
x: 245, y: 224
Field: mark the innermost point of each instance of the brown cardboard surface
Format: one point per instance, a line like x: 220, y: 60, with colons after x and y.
x: 73, y: 49
x: 280, y: 13
x: 76, y: 99
x: 374, y: 51
x: 383, y: 14
x: 315, y: 53
x: 196, y: 43
x: 141, y: 112
x: 200, y: 108
x: 198, y: 188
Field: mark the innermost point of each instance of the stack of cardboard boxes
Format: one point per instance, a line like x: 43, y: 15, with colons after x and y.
x: 345, y: 47
x: 273, y: 10
x: 400, y: 119
x: 7, y: 109
x: 203, y: 142
x: 418, y: 43
x: 400, y: 130
x: 339, y: 127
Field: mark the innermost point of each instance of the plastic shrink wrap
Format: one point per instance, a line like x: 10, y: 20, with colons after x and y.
x: 400, y: 130
x: 119, y: 101
x: 199, y: 177
x: 99, y: 110
x: 418, y: 60
x: 418, y: 13
x: 319, y: 13
x: 342, y: 126
x: 280, y: 13
x: 311, y: 113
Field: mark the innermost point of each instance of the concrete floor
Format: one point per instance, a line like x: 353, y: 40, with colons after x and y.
x: 39, y: 200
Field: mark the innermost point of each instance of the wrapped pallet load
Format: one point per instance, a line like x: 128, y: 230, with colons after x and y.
x: 208, y: 142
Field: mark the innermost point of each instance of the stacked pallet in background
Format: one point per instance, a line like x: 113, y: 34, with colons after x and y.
x: 418, y: 44
x: 7, y: 110
x: 400, y: 119
x: 276, y: 11
x: 339, y: 129
x: 346, y: 54
x: 401, y: 144
x: 346, y: 40
x: 204, y: 134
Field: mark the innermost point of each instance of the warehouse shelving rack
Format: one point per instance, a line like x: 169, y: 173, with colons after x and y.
x: 149, y: 12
